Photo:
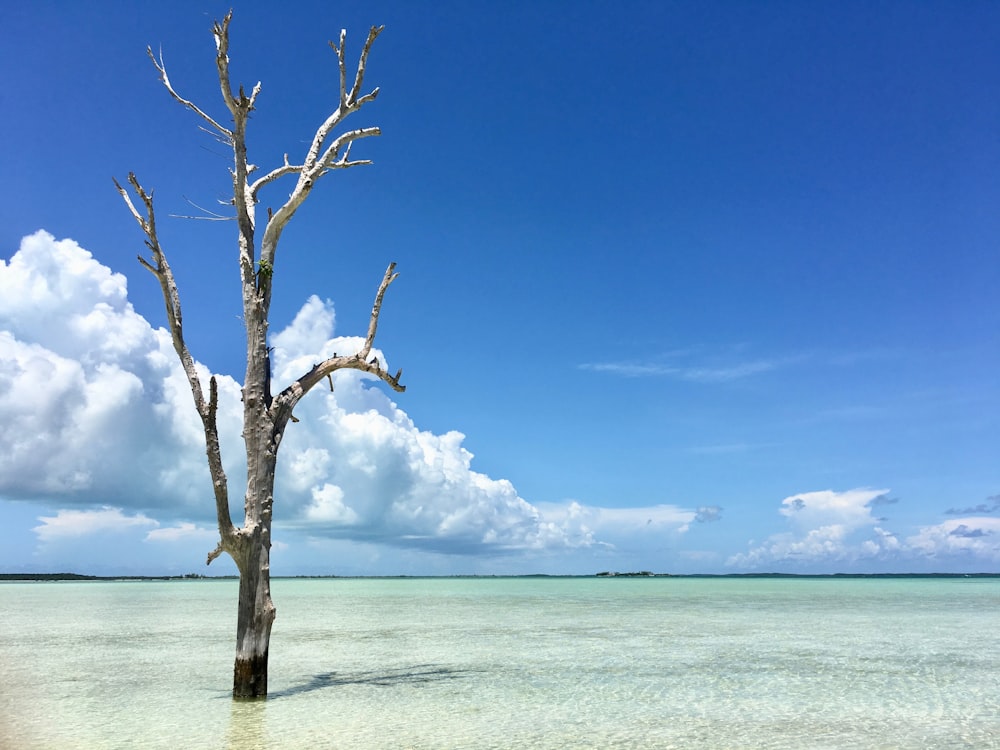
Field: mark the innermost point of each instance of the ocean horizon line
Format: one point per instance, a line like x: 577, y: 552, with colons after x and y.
x: 67, y: 576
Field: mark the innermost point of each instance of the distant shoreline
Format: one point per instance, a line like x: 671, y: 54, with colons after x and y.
x: 43, y: 577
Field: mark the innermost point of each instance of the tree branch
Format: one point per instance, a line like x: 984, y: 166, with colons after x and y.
x: 212, y: 216
x: 160, y: 268
x: 387, y: 279
x: 342, y: 67
x: 330, y: 158
x: 273, y: 175
x: 349, y: 101
x: 352, y: 99
x: 221, y: 33
x: 158, y: 63
x: 285, y: 401
x: 322, y: 156
x: 214, y: 553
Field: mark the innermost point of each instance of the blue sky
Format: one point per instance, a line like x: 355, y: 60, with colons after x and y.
x: 685, y: 287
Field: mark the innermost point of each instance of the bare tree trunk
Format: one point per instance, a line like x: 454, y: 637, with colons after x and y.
x: 253, y: 623
x: 256, y: 611
x: 265, y: 416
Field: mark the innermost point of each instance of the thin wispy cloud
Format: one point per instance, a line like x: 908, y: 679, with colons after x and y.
x: 852, y: 413
x: 182, y: 531
x: 695, y: 374
x: 702, y: 365
x: 724, y: 449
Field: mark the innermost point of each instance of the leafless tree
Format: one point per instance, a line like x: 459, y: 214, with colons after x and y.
x: 265, y: 416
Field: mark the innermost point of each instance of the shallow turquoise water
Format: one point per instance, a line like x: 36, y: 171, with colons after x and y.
x: 509, y: 663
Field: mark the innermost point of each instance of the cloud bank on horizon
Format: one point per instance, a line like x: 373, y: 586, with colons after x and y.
x: 843, y: 528
x: 99, y: 424
x: 100, y: 420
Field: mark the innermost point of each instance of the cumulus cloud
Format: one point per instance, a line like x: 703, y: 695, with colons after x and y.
x: 973, y: 537
x: 94, y: 407
x: 851, y: 509
x: 825, y: 527
x: 98, y: 419
x: 839, y: 529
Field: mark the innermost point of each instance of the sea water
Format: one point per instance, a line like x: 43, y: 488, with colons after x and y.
x: 508, y: 663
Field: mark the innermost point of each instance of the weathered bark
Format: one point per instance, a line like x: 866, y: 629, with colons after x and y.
x: 265, y: 416
x: 255, y: 616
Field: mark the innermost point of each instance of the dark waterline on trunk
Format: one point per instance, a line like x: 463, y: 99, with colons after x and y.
x: 250, y: 678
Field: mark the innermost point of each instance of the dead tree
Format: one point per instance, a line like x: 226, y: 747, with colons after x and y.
x: 265, y: 416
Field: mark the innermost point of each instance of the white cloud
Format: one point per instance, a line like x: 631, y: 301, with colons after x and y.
x: 850, y: 509
x: 95, y: 409
x: 826, y: 527
x: 837, y: 530
x: 586, y: 525
x: 97, y: 412
x: 309, y: 331
x: 67, y: 524
x: 182, y: 532
x: 98, y: 421
x: 54, y: 294
x: 327, y: 506
x: 976, y: 537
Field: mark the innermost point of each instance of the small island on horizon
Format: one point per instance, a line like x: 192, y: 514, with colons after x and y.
x: 43, y: 577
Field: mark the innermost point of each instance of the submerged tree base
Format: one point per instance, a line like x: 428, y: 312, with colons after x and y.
x: 250, y: 678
